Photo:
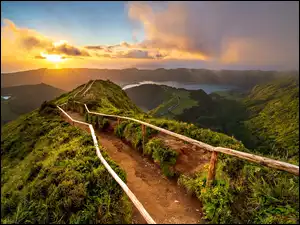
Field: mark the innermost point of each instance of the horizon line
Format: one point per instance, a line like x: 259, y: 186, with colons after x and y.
x: 134, y: 68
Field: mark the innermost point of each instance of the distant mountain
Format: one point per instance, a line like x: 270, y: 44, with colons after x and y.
x: 149, y: 96
x: 176, y: 103
x: 24, y: 99
x: 69, y: 78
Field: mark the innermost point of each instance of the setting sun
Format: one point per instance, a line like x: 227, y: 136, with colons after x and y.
x: 53, y: 58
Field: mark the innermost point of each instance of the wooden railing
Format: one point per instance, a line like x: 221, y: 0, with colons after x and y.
x: 129, y: 193
x: 88, y: 87
x: 80, y: 90
x: 242, y: 155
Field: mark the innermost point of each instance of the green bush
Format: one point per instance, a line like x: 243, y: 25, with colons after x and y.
x: 105, y: 123
x: 86, y: 117
x: 48, y: 109
x: 162, y: 154
x: 252, y: 194
x: 119, y: 129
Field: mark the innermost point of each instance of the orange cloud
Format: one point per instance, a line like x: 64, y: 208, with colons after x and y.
x: 29, y: 42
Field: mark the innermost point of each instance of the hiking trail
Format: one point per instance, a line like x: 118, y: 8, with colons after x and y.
x: 165, y: 201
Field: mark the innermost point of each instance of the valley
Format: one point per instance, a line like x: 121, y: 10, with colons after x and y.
x: 231, y: 112
x: 24, y: 99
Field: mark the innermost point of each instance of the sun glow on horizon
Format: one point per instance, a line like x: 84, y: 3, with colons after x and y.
x: 53, y: 58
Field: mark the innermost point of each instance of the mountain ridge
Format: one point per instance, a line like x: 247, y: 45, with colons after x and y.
x: 69, y: 78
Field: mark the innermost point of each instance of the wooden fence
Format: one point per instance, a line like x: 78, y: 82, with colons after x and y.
x: 129, y: 193
x: 242, y: 155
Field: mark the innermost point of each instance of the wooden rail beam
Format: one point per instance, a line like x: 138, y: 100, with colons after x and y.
x: 261, y: 160
x: 143, y: 132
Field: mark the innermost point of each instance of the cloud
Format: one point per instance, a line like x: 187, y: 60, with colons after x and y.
x: 257, y: 33
x: 98, y: 47
x: 139, y: 54
x: 67, y: 50
x: 195, y: 34
x: 125, y: 50
x: 30, y: 41
x: 39, y: 57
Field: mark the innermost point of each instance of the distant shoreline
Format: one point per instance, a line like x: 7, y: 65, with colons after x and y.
x: 208, y: 88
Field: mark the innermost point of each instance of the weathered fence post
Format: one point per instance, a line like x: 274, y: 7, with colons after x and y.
x: 212, y: 168
x: 143, y: 132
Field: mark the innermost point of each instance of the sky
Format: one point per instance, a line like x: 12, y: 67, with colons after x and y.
x: 149, y: 35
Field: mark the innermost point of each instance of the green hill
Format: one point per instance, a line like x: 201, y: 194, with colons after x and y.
x: 264, y: 118
x: 274, y: 118
x: 148, y: 96
x: 24, y: 99
x: 50, y: 172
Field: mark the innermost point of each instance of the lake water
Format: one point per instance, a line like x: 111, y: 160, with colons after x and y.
x: 208, y: 88
x: 5, y: 97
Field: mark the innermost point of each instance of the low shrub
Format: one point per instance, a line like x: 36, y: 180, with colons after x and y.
x: 165, y: 156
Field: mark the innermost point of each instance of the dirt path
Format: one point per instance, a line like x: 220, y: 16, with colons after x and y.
x: 164, y: 200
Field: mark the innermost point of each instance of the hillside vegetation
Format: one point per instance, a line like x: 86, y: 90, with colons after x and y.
x: 162, y: 100
x: 50, y: 174
x: 265, y: 119
x: 242, y: 192
x: 24, y: 99
x: 273, y: 122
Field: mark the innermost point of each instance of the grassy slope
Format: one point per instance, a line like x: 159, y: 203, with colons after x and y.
x: 159, y: 98
x: 108, y: 97
x: 265, y: 119
x: 274, y: 118
x: 179, y: 97
x: 255, y: 194
x: 50, y: 174
x: 6, y: 113
x: 148, y: 96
